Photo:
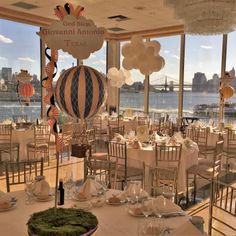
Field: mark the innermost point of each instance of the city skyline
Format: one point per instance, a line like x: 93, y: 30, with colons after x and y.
x: 19, y: 49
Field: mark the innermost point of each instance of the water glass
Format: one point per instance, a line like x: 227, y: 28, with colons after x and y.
x: 29, y: 188
x: 68, y: 184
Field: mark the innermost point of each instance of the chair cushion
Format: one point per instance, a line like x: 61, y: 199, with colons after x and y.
x: 99, y: 155
x: 205, y: 171
x: 131, y: 172
x: 38, y: 145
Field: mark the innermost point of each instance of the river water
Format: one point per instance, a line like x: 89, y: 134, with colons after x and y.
x: 159, y: 102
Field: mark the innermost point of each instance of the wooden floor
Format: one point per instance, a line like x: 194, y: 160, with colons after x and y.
x: 76, y: 166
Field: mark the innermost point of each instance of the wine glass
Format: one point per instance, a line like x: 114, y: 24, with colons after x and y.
x: 29, y: 188
x: 147, y: 207
x: 68, y: 184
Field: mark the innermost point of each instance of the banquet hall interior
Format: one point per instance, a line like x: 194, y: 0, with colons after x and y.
x: 121, y: 114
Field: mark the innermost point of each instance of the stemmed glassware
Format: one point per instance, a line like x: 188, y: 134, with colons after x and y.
x: 68, y: 184
x: 29, y: 188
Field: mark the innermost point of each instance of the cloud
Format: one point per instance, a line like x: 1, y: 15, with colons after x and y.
x: 175, y: 56
x: 99, y: 62
x: 206, y: 47
x: 92, y: 56
x: 28, y: 59
x: 3, y: 58
x: 4, y: 39
x: 166, y: 51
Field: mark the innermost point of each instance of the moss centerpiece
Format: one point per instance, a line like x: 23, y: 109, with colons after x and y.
x: 63, y: 222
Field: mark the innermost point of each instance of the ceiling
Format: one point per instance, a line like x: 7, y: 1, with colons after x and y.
x: 143, y: 15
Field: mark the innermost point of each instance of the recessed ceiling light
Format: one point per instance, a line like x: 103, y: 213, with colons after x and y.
x: 24, y: 5
x: 140, y: 8
x: 118, y: 18
x: 115, y: 29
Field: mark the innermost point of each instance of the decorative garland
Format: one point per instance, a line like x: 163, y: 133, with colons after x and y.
x: 52, y: 112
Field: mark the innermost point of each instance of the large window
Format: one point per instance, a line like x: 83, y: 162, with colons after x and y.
x: 20, y: 49
x: 202, y: 72
x: 164, y: 85
x: 132, y: 96
x: 231, y: 66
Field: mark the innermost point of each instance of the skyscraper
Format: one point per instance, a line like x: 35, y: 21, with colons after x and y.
x: 7, y: 74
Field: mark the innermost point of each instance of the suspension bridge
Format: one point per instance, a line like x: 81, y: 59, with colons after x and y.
x: 167, y: 83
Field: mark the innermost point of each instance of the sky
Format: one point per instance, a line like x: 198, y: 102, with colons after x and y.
x: 19, y: 49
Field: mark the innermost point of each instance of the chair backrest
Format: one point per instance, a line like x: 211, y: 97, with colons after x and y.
x: 118, y: 152
x: 115, y: 130
x: 91, y: 139
x: 170, y: 155
x: 218, y: 153
x: 5, y: 133
x: 20, y: 118
x: 42, y: 133
x: 113, y: 121
x: 16, y: 171
x: 200, y: 136
x: 67, y: 133
x: 143, y: 120
x: 104, y: 170
x: 97, y: 122
x: 231, y: 139
x: 222, y: 209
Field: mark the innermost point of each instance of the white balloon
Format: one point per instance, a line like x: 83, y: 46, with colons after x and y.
x: 113, y: 83
x: 129, y: 81
x: 154, y: 44
x: 127, y: 74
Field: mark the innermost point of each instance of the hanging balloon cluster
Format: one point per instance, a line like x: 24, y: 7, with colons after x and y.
x: 51, y: 70
x: 24, y: 87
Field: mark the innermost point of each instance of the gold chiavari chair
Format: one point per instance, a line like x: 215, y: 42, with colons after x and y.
x: 91, y: 141
x: 100, y: 130
x: 169, y: 158
x: 41, y: 142
x: 67, y: 135
x: 143, y: 120
x: 201, y: 137
x: 6, y: 143
x: 208, y: 171
x: 160, y: 181
x: 230, y: 150
x: 115, y: 130
x: 118, y: 152
x: 113, y: 121
x: 104, y: 170
x: 222, y: 209
x: 16, y: 171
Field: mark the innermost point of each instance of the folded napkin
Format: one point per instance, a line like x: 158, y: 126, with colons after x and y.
x: 90, y: 188
x: 133, y: 188
x: 118, y: 138
x: 136, y: 144
x: 187, y: 143
x: 41, y: 188
x: 164, y: 205
x: 154, y: 137
x: 5, y: 200
x: 178, y: 136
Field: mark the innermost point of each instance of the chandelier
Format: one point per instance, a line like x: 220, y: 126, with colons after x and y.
x: 206, y: 16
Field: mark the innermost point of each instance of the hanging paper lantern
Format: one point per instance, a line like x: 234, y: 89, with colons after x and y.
x: 26, y: 90
x: 81, y: 91
x: 227, y: 92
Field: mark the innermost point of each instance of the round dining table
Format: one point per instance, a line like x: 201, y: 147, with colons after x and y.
x: 113, y: 220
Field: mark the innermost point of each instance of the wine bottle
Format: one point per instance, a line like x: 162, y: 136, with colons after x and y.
x: 60, y: 193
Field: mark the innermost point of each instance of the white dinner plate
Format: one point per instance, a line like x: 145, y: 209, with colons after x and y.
x: 132, y: 213
x: 116, y: 203
x: 44, y: 199
x: 13, y: 206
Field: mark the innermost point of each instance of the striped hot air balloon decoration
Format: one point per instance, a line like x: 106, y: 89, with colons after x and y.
x: 81, y: 91
x: 26, y: 90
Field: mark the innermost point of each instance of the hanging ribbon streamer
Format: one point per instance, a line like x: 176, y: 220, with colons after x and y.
x: 51, y: 71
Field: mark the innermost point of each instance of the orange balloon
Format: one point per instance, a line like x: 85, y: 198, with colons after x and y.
x: 227, y: 92
x: 26, y: 90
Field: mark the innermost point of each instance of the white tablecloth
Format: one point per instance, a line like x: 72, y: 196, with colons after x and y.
x: 189, y: 157
x: 113, y: 220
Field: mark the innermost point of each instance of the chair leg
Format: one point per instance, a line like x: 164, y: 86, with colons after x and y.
x: 195, y: 189
x: 187, y: 195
